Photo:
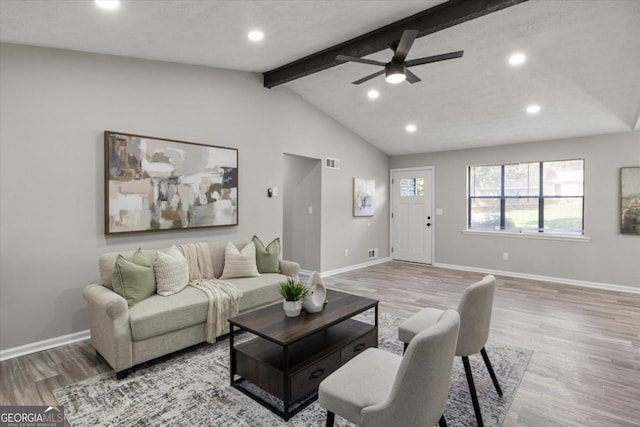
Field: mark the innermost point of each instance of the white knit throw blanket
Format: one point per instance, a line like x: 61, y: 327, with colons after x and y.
x: 224, y: 297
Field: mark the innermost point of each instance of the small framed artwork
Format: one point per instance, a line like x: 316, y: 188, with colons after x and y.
x: 630, y: 200
x: 156, y: 184
x: 364, y: 191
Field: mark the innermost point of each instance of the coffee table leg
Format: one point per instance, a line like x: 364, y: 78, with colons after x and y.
x: 232, y: 356
x: 285, y: 399
x: 376, y: 316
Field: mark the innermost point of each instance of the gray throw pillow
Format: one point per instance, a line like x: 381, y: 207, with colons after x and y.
x: 134, y: 279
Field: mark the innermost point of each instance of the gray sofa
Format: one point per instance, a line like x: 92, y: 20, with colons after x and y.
x: 158, y: 325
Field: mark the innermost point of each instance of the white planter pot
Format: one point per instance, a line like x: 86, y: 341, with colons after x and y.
x: 292, y: 308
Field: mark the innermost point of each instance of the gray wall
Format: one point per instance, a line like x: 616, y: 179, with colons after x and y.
x: 301, y: 230
x: 55, y: 105
x: 610, y: 257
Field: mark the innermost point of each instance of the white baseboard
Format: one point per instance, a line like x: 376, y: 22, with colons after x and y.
x: 35, y: 347
x: 354, y: 267
x: 580, y: 283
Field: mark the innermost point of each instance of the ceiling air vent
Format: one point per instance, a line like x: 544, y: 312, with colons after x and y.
x: 331, y: 163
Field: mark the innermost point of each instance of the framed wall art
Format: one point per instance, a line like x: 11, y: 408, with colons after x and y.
x: 154, y: 184
x: 364, y: 191
x: 630, y: 200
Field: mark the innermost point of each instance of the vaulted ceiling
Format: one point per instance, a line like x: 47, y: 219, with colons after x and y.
x: 582, y: 64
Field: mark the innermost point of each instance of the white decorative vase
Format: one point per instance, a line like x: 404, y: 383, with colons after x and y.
x: 314, y: 301
x: 292, y: 308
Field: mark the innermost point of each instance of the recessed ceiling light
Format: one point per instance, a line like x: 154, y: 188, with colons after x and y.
x: 373, y: 94
x: 255, y: 35
x: 533, y: 109
x: 108, y: 4
x: 517, y: 59
x: 410, y: 128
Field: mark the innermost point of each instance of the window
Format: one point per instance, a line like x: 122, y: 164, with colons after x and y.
x: 411, y: 187
x: 527, y: 197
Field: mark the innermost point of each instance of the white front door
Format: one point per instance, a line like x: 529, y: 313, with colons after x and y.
x: 411, y: 215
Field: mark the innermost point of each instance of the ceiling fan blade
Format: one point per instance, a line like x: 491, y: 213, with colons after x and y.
x: 435, y: 58
x: 404, y: 45
x: 360, y: 60
x: 412, y: 78
x: 369, y: 77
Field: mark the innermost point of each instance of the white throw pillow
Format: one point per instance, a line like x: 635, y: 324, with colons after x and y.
x: 172, y: 274
x: 239, y: 263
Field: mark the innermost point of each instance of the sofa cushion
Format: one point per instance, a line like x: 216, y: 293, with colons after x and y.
x: 239, y: 263
x: 267, y: 259
x: 158, y: 315
x: 259, y: 291
x: 172, y: 273
x: 133, y: 279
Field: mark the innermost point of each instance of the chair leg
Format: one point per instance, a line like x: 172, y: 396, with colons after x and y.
x: 472, y: 390
x: 122, y: 374
x: 442, y: 422
x: 330, y: 418
x: 490, y: 369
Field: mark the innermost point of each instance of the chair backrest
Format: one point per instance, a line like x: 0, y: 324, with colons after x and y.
x: 475, y: 308
x: 421, y: 387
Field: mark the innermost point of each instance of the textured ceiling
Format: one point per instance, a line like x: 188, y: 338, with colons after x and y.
x: 582, y: 68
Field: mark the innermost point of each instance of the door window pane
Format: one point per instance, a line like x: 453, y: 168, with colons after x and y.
x: 485, y: 181
x: 411, y: 187
x: 485, y: 213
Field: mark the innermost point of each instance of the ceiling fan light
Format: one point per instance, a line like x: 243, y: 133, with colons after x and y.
x: 395, y: 78
x: 395, y: 72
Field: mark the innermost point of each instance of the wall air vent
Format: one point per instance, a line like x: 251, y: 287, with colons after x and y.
x: 331, y: 163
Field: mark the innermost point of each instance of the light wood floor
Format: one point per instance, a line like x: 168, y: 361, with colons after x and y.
x: 585, y: 369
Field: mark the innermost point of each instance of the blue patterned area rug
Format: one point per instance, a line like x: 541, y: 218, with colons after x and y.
x: 191, y: 388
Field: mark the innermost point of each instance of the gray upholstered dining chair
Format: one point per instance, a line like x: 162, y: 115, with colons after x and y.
x: 378, y: 388
x: 475, y: 309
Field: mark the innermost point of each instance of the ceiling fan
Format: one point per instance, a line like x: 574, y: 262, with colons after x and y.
x: 396, y: 70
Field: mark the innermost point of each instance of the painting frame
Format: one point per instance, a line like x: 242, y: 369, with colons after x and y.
x: 364, y: 192
x: 154, y: 184
x: 630, y: 200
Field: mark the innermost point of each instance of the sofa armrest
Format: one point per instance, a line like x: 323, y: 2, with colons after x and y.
x: 110, y: 330
x: 289, y: 268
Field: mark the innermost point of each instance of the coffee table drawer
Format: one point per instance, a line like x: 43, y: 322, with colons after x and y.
x: 358, y: 346
x: 307, y: 380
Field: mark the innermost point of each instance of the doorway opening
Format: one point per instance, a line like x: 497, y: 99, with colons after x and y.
x: 302, y: 199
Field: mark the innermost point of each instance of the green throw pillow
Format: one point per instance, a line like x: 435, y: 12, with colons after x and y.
x: 134, y: 279
x: 267, y: 259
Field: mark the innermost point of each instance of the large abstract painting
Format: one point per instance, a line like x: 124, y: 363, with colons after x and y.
x: 630, y: 200
x: 156, y: 184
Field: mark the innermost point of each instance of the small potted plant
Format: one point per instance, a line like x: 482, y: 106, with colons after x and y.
x: 293, y: 292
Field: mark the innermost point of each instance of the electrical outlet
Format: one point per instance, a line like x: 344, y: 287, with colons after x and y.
x: 346, y: 252
x: 505, y: 256
x: 372, y: 253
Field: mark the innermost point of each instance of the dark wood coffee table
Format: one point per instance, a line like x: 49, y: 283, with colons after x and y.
x: 291, y: 355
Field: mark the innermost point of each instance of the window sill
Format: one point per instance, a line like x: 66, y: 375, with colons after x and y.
x: 540, y: 236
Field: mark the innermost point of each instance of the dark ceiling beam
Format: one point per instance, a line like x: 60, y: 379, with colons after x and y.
x: 429, y: 21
